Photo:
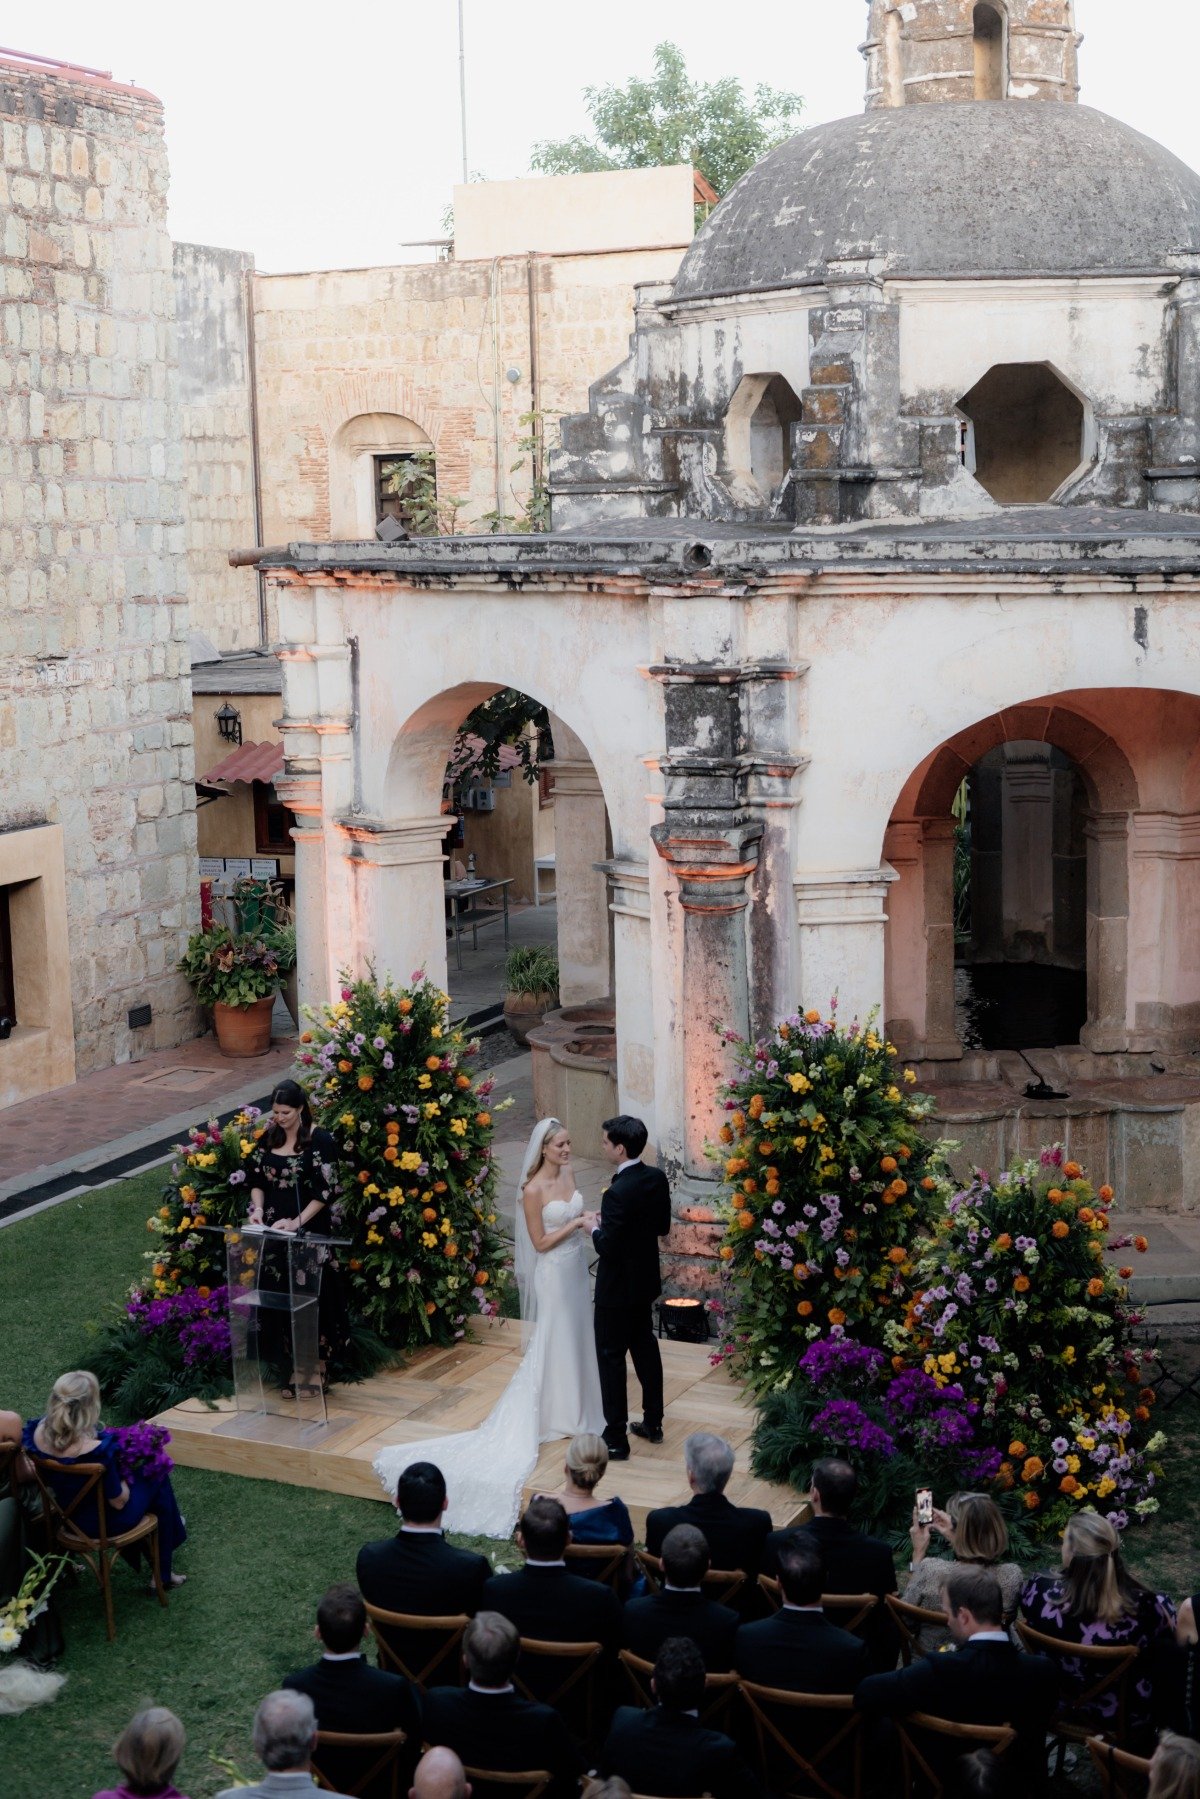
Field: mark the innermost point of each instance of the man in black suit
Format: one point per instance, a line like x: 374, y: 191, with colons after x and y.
x: 634, y: 1213
x: 854, y: 1563
x: 488, y: 1725
x: 349, y: 1695
x: 680, y: 1609
x: 985, y: 1681
x: 417, y: 1570
x: 735, y: 1534
x: 668, y: 1751
x: 542, y: 1599
x: 799, y: 1649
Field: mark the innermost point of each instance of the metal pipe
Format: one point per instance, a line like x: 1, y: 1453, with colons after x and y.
x: 255, y: 458
x: 535, y: 372
x: 462, y: 86
x: 497, y: 421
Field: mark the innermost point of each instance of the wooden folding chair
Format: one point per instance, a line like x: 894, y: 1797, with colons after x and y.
x: 603, y: 1562
x: 101, y: 1551
x: 498, y: 1783
x: 384, y: 1746
x: 722, y: 1584
x: 1104, y: 1670
x: 921, y: 1779
x: 786, y: 1767
x: 1122, y: 1775
x: 719, y: 1689
x: 910, y: 1621
x: 434, y: 1643
x: 850, y: 1611
x: 560, y: 1674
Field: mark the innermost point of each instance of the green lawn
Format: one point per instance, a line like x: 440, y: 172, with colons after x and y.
x: 260, y: 1554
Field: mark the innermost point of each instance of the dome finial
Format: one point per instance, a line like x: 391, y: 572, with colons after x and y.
x: 919, y: 51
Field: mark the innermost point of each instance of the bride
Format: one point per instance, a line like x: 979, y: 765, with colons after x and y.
x: 555, y: 1391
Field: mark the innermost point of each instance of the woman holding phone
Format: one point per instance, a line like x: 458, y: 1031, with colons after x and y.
x: 974, y: 1527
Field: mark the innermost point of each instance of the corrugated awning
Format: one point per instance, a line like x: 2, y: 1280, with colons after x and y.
x: 468, y: 750
x: 249, y: 762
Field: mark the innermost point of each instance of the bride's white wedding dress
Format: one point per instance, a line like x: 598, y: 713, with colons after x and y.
x: 555, y: 1392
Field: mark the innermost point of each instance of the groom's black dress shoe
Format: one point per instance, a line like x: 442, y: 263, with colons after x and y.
x: 650, y: 1433
x: 620, y: 1453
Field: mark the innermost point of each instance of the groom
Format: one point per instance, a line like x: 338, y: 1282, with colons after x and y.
x: 635, y: 1212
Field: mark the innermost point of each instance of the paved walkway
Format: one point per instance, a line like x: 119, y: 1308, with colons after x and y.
x: 479, y: 983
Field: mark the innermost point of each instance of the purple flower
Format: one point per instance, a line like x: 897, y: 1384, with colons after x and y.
x: 388, y: 1061
x: 142, y: 1450
x: 779, y: 1208
x: 844, y: 1423
x: 379, y: 1043
x: 238, y: 1175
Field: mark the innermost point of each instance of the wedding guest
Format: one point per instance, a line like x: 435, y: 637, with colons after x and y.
x: 12, y: 1464
x: 799, y: 1649
x: 667, y: 1751
x: 1177, y: 1682
x: 854, y: 1562
x: 417, y: 1570
x: 735, y: 1534
x: 488, y: 1724
x: 680, y: 1608
x: 350, y: 1695
x: 71, y: 1431
x: 592, y: 1520
x: 439, y: 1775
x: 1175, y: 1768
x: 974, y: 1527
x: 147, y: 1752
x: 285, y: 1735
x: 1096, y: 1600
x: 543, y: 1599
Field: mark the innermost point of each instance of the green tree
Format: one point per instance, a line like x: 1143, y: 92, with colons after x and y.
x: 671, y: 118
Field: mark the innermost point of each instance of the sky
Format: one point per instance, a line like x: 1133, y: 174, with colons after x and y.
x: 329, y: 137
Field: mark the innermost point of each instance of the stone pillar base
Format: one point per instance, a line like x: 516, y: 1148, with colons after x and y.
x: 690, y: 1263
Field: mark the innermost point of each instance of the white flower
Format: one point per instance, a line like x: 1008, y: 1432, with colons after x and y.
x: 9, y: 1638
x: 1158, y: 1441
x: 1144, y: 1507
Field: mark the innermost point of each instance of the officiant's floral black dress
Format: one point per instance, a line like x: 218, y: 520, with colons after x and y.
x: 289, y: 1183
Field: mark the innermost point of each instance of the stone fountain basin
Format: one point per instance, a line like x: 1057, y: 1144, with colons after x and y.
x: 574, y: 1054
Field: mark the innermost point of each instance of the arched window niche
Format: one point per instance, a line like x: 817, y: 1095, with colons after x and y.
x: 991, y: 53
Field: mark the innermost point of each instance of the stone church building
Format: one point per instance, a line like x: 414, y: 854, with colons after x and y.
x: 871, y: 601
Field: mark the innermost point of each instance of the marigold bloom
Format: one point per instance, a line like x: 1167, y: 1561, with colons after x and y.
x: 836, y: 1315
x: 366, y: 1082
x: 805, y: 1308
x: 1125, y: 1273
x: 344, y: 1066
x: 1141, y: 1244
x: 1033, y: 1469
x: 746, y: 1220
x: 928, y: 1183
x: 812, y: 1017
x: 725, y: 1134
x: 1060, y: 1228
x: 482, y: 1278
x: 462, y: 1082
x: 1017, y: 1449
x: 888, y: 1164
x: 404, y: 1005
x: 429, y: 1214
x: 1021, y: 1283
x: 1095, y: 1289
x: 1072, y: 1170
x: 483, y: 1119
x: 1004, y: 1241
x: 1106, y: 1194
x: 1068, y: 1484
x: 897, y: 1255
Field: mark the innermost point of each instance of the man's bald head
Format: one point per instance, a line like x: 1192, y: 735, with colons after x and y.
x: 440, y: 1775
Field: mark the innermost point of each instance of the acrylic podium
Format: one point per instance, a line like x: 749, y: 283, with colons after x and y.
x: 274, y: 1303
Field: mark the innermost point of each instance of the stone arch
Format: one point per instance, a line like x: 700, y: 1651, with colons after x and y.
x: 353, y: 452
x: 757, y: 438
x: 989, y: 27
x: 402, y: 418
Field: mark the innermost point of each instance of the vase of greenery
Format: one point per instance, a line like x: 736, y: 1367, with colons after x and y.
x: 530, y: 989
x: 237, y: 974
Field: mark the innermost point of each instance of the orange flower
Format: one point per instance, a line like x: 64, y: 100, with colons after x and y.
x: 904, y: 1152
x: 888, y: 1197
x: 1147, y: 1395
x: 1033, y: 1469
x: 1068, y: 1484
x: 463, y: 1081
x: 429, y: 1214
x: 1141, y: 1244
x: 1072, y: 1170
x: 366, y: 1082
x: 771, y: 1189
x: 1060, y: 1228
x: 482, y: 1278
x: 1054, y: 1195
x: 836, y: 1315
x: 1017, y: 1449
x: 899, y: 1188
x: 355, y: 1264
x: 766, y: 1148
x: 897, y: 1255
x: 725, y: 1134
x: 1086, y: 1214
x: 929, y: 1183
x: 204, y: 1292
x: 1106, y: 1194
x: 739, y: 1121
x: 306, y: 1036
x: 726, y: 1252
x: 345, y: 1067
x: 439, y: 1186
x: 1095, y: 1289
x: 1004, y: 1241
x: 451, y: 1250
x: 364, y: 1176
x: 483, y: 1119
x: 888, y: 1164
x: 755, y: 1108
x: 391, y: 1154
x: 812, y: 1018
x: 433, y: 1062
x: 430, y: 1308
x: 1126, y: 1274
x: 404, y: 1005
x: 1021, y: 1283
x: 1032, y: 1502
x: 805, y: 1308
x: 749, y: 1185
x: 746, y: 1220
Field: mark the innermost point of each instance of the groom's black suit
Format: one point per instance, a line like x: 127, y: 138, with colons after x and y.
x: 634, y: 1213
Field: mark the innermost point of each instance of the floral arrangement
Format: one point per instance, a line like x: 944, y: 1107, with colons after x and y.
x: 831, y: 1191
x: 208, y: 1187
x: 158, y: 1350
x: 142, y: 1451
x: 390, y: 1077
x: 232, y: 968
x: 1021, y: 1304
x: 30, y: 1601
x: 900, y: 1429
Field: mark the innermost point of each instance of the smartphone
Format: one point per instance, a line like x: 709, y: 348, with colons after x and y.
x: 924, y: 1505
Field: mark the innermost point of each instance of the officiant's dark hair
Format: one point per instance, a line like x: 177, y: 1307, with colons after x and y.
x: 629, y: 1132
x: 290, y: 1093
x: 421, y: 1494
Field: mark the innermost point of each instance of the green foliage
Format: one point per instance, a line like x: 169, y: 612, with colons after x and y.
x: 671, y: 118
x: 413, y: 480
x: 226, y: 968
x: 530, y: 969
x: 534, y: 512
x: 503, y: 720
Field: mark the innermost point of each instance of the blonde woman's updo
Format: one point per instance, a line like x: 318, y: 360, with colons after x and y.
x: 587, y: 1459
x: 73, y: 1410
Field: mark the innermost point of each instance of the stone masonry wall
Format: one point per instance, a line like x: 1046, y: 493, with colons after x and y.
x: 218, y: 461
x: 95, y: 731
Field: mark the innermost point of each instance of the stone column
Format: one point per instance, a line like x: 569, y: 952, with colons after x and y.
x: 1028, y: 854
x: 580, y: 848
x: 841, y: 921
x: 301, y: 793
x: 629, y: 908
x: 1106, y: 1030
x: 396, y: 915
x: 904, y: 939
x: 941, y: 1036
x: 1164, y: 962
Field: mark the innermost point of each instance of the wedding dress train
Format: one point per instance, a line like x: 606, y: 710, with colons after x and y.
x: 554, y: 1393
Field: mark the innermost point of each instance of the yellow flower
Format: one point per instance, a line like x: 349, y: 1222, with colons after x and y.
x: 410, y: 1160
x: 1084, y: 1442
x: 370, y: 1189
x: 1074, y: 1464
x: 459, y: 1126
x: 429, y: 1241
x: 910, y: 1075
x: 424, y: 1080
x: 347, y: 1118
x: 1068, y: 1354
x: 373, y: 1236
x: 799, y: 1143
x: 432, y: 1109
x: 444, y: 1227
x: 799, y: 1083
x: 893, y: 1093
x: 435, y: 1031
x: 1106, y: 1486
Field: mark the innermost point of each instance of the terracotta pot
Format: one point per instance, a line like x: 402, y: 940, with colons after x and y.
x: 244, y: 1030
x: 523, y: 1012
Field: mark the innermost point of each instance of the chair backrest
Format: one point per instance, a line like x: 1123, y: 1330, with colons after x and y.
x: 61, y: 1514
x: 825, y: 1723
x: 849, y: 1611
x: 549, y: 1672
x: 432, y: 1648
x: 910, y: 1621
x: 920, y: 1773
x: 771, y: 1589
x: 1122, y: 1775
x: 376, y: 1755
x: 498, y: 1783
x: 722, y: 1584
x: 1105, y: 1669
x: 597, y: 1561
x: 718, y: 1688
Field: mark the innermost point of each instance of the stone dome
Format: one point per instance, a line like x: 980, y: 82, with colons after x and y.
x: 1011, y: 187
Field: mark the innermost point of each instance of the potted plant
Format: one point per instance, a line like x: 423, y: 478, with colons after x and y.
x: 236, y: 973
x: 530, y: 989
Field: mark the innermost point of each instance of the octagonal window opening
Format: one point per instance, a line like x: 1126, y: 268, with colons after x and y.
x: 1030, y: 433
x: 758, y: 431
x: 991, y: 53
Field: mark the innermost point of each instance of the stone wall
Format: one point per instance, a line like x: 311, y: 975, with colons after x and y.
x: 218, y: 458
x: 95, y: 731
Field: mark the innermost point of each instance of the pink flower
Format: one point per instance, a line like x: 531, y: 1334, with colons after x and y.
x: 418, y: 974
x: 347, y: 993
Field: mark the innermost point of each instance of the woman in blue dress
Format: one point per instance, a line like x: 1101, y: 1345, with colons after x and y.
x: 71, y: 1431
x: 593, y: 1520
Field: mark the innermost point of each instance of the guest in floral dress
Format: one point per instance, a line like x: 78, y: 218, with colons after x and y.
x: 1096, y: 1601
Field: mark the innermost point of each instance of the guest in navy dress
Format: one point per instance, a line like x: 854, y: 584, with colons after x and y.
x: 591, y: 1520
x: 71, y: 1432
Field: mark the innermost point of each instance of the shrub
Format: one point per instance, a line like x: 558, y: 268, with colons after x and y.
x: 529, y: 969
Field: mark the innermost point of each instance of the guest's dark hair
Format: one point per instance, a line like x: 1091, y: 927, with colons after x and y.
x: 983, y: 1776
x: 342, y: 1618
x: 421, y: 1493
x: 801, y: 1569
x: 976, y: 1590
x: 290, y: 1093
x: 491, y: 1645
x: 545, y: 1529
x: 679, y: 1675
x: 629, y: 1132
x: 836, y: 1484
x: 685, y: 1556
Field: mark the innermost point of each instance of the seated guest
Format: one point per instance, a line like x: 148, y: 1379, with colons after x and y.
x: 543, y: 1599
x: 488, y: 1724
x: 680, y: 1609
x: 592, y: 1520
x: 974, y: 1527
x: 735, y: 1534
x: 799, y: 1649
x: 417, y: 1570
x: 1177, y: 1675
x: 148, y: 1751
x: 349, y: 1695
x: 988, y: 1681
x: 668, y: 1751
x: 439, y: 1775
x: 1095, y: 1600
x: 71, y: 1431
x: 1175, y: 1768
x: 854, y: 1563
x: 285, y: 1734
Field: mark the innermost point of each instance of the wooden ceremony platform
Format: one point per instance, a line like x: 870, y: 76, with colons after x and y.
x: 446, y: 1390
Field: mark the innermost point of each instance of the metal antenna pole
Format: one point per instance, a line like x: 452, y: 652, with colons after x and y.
x: 462, y: 87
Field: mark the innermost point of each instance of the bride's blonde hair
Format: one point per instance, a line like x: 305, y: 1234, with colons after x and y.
x: 553, y: 1126
x: 73, y: 1410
